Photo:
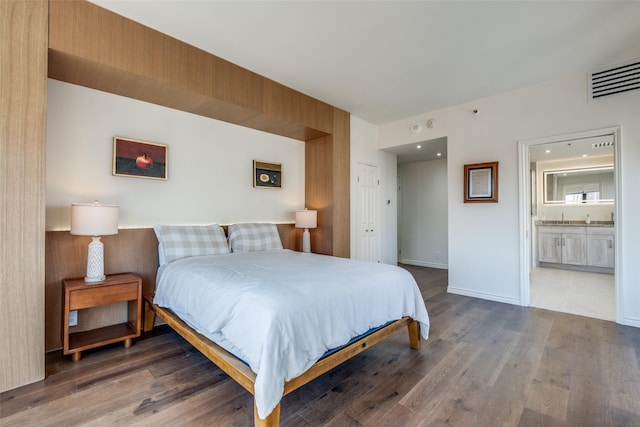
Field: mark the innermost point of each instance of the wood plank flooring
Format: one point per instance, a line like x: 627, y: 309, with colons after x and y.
x: 485, y: 364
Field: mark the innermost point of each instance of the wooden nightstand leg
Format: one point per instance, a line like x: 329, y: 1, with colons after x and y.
x: 76, y: 356
x: 128, y: 342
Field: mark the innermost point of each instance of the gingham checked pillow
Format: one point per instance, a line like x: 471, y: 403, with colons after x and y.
x: 181, y: 241
x: 251, y: 237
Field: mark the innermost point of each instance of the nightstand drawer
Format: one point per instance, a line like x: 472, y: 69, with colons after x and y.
x: 102, y: 295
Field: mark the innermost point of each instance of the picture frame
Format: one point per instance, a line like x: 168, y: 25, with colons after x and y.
x: 267, y: 174
x: 481, y: 183
x: 139, y: 159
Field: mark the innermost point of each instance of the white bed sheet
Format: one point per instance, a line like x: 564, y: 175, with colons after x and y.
x: 280, y: 311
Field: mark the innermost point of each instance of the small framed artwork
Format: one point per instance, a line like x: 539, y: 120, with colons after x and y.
x: 139, y: 159
x: 481, y: 183
x: 267, y: 175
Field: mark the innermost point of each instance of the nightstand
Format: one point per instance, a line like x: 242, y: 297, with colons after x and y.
x: 116, y: 288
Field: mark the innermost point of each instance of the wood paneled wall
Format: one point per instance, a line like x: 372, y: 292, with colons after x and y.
x: 133, y: 250
x: 93, y: 47
x: 340, y: 184
x: 23, y: 100
x: 327, y: 187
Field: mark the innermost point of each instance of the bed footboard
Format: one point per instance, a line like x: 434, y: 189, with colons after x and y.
x: 243, y: 375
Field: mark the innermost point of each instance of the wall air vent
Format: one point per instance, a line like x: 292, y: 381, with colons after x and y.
x: 602, y: 144
x: 614, y: 79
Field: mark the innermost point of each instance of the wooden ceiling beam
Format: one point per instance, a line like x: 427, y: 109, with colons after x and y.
x: 94, y: 47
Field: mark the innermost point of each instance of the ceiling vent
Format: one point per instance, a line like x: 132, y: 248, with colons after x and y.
x: 614, y: 79
x: 602, y: 144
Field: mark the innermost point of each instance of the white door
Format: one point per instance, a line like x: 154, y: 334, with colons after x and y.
x: 367, y: 247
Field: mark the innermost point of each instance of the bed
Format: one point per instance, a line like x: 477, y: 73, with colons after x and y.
x: 272, y: 318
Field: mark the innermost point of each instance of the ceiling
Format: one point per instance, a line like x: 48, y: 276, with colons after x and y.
x: 423, y: 151
x: 595, y: 146
x: 384, y: 61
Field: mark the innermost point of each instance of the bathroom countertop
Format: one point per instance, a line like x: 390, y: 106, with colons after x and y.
x: 568, y: 223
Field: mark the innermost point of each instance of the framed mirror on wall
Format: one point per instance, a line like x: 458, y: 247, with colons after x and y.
x: 582, y: 185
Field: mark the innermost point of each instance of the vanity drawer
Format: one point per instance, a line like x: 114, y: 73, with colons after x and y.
x: 560, y: 229
x: 600, y: 230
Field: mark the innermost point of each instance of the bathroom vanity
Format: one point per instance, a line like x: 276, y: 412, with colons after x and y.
x: 576, y: 245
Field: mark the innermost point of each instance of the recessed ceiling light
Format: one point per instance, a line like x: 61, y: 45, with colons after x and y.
x: 418, y: 146
x: 439, y: 154
x: 547, y: 151
x: 584, y: 155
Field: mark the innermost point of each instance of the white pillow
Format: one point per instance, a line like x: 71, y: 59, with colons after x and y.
x: 252, y: 237
x: 181, y: 241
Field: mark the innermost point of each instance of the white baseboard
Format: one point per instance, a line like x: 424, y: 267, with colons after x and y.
x: 483, y: 295
x: 631, y: 321
x: 424, y: 264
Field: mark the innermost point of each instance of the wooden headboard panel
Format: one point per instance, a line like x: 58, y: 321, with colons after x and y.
x: 132, y: 250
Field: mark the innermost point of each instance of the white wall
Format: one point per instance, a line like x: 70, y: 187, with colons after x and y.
x: 484, y: 239
x: 423, y: 230
x: 364, y: 137
x: 209, y: 163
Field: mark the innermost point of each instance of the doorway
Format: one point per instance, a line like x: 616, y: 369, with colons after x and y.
x: 423, y: 214
x: 555, y: 288
x: 422, y: 209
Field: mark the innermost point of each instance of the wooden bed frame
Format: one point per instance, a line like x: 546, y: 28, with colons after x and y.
x: 244, y: 376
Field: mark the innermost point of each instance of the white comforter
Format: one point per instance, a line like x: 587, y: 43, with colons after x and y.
x: 280, y: 311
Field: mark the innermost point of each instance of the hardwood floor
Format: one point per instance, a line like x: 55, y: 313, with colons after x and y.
x: 485, y: 364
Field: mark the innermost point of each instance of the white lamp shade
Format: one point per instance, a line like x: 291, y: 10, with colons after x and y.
x: 306, y: 218
x: 94, y: 219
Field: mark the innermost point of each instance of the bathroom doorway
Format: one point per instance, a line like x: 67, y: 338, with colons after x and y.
x: 565, y: 220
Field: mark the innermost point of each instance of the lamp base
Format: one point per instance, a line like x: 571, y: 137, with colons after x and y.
x: 306, y: 241
x: 95, y: 261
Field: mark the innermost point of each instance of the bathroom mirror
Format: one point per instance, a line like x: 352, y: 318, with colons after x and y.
x: 573, y: 186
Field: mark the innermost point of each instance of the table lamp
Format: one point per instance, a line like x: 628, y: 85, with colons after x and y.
x: 306, y: 219
x: 94, y: 219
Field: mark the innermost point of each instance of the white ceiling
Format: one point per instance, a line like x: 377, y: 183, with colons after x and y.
x: 595, y: 146
x: 387, y: 60
x: 423, y: 151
